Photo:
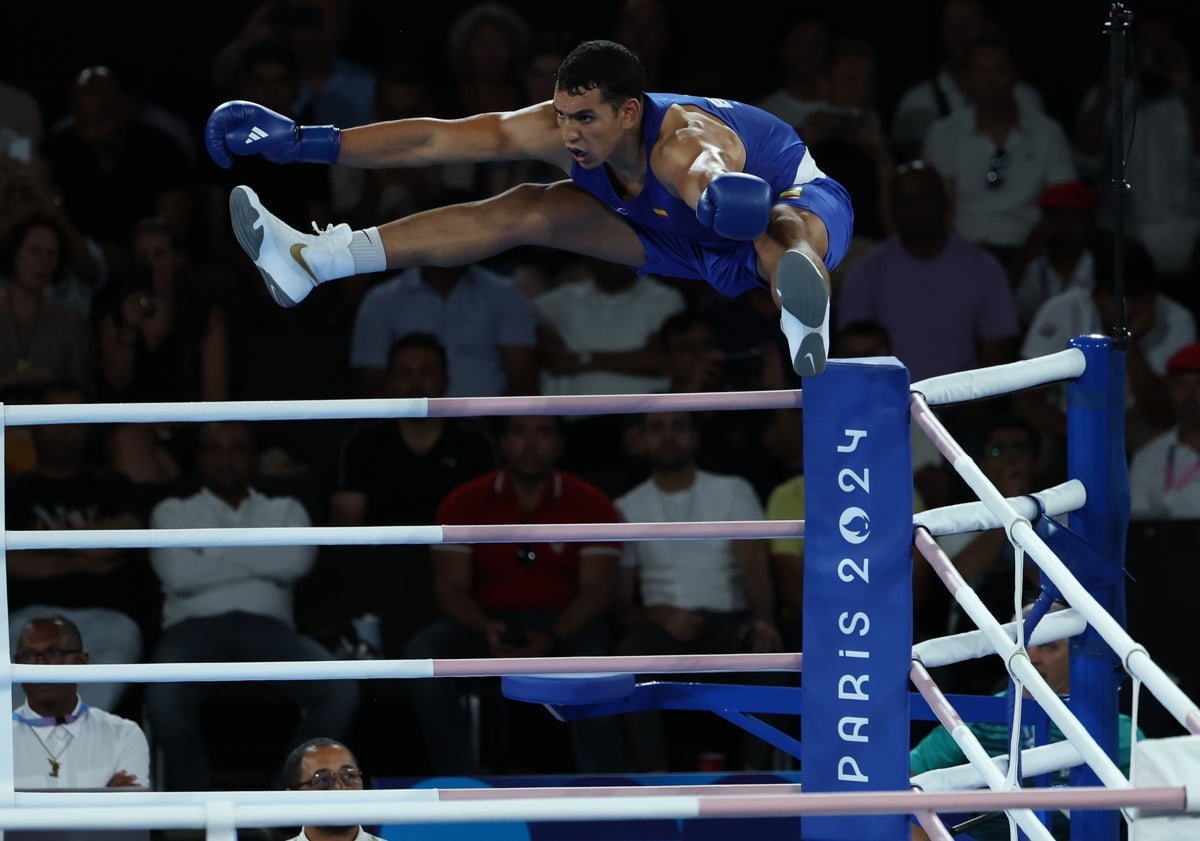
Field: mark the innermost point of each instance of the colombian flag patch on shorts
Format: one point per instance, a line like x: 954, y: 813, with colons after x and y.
x: 791, y: 193
x: 658, y: 211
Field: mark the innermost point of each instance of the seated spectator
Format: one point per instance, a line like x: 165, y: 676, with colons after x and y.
x: 367, y: 195
x: 945, y: 302
x: 845, y: 134
x: 162, y: 337
x: 114, y: 168
x: 106, y: 593
x: 1058, y: 253
x: 996, y: 156
x: 485, y: 54
x: 1158, y: 327
x: 479, y: 316
x: 1164, y: 473
x: 1007, y: 454
x: 531, y: 600
x: 27, y: 189
x: 334, y: 88
x: 45, y: 340
x: 108, y: 751
x: 748, y: 443
x: 599, y: 334
x: 689, y: 596
x: 947, y: 89
x: 801, y: 55
x: 396, y: 472
x: 940, y: 750
x: 322, y: 764
x: 232, y: 604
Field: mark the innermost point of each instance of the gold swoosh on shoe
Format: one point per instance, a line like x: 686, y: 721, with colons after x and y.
x: 297, y: 252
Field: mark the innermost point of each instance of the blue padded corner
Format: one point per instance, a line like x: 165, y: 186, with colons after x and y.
x: 568, y: 689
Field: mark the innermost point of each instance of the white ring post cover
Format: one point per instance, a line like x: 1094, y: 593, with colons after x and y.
x: 1164, y: 762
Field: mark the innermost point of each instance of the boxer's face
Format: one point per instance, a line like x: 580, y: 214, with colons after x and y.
x: 591, y: 128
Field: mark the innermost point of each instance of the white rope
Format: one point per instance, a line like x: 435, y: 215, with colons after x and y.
x: 1020, y: 533
x: 1002, y: 379
x: 68, y: 809
x: 971, y: 645
x: 975, y: 753
x: 1036, y: 761
x: 1019, y: 666
x: 976, y: 516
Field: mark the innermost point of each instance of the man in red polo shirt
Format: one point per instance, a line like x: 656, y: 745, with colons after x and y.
x: 518, y: 600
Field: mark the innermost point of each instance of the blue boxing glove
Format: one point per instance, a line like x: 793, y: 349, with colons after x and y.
x: 736, y: 205
x: 244, y: 128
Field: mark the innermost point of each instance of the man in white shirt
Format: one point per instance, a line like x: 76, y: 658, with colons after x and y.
x: 1158, y: 326
x: 598, y: 334
x: 232, y: 603
x: 60, y: 741
x: 962, y: 22
x: 688, y: 596
x: 323, y: 764
x: 997, y: 156
x: 1164, y: 474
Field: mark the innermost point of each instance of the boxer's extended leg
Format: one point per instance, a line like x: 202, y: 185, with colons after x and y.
x: 558, y: 215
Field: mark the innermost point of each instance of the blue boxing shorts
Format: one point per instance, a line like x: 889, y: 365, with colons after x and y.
x: 732, y: 267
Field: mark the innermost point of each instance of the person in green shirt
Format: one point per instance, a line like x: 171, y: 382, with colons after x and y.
x: 939, y: 750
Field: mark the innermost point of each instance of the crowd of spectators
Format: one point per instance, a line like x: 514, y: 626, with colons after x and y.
x: 983, y: 236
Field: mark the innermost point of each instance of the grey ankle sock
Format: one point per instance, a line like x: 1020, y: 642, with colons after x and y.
x: 366, y: 247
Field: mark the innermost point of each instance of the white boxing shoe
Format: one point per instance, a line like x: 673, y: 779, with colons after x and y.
x: 804, y: 313
x: 292, y: 263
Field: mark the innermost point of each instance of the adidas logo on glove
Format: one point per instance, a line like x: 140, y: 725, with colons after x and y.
x: 255, y: 134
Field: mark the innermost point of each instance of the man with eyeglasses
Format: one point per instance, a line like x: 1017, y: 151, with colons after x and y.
x: 61, y: 741
x: 1008, y: 456
x: 528, y: 599
x: 106, y: 592
x: 322, y: 764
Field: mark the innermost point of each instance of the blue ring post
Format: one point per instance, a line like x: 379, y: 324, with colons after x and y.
x: 858, y: 618
x: 1096, y: 457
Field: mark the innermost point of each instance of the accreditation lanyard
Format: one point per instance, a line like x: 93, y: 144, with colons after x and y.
x: 1172, y: 484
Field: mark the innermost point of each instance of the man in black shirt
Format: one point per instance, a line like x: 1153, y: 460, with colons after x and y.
x: 103, y: 591
x: 396, y: 472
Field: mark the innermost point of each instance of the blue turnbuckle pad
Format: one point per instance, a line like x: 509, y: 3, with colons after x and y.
x: 568, y: 689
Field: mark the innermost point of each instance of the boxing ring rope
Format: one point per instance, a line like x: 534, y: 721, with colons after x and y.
x: 400, y: 407
x: 977, y: 757
x: 1134, y: 657
x: 385, y: 806
x: 220, y: 812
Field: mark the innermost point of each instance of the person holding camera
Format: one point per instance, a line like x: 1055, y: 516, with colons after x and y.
x: 531, y: 599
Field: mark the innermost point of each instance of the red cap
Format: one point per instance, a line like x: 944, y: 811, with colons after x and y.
x: 1187, y: 358
x: 1073, y: 195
